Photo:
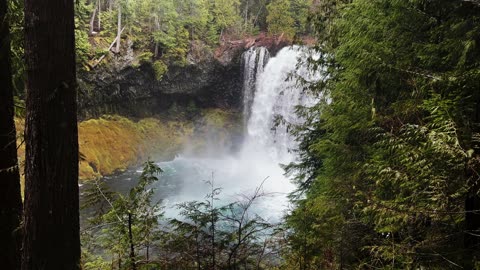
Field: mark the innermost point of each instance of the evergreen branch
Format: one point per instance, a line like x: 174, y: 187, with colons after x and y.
x: 107, y: 200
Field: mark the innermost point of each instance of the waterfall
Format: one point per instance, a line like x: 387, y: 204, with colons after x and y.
x: 254, y: 61
x: 270, y: 92
x: 275, y: 94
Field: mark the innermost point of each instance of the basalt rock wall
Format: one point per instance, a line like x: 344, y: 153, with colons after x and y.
x: 209, y: 80
x: 135, y: 92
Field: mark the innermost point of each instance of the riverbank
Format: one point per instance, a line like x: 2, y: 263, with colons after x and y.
x: 113, y: 143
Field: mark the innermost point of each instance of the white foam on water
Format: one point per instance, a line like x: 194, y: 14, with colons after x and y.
x: 269, y: 92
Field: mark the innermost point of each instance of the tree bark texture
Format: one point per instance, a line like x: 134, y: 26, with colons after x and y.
x: 472, y: 202
x: 99, y: 24
x: 133, y: 264
x: 92, y: 20
x: 119, y: 28
x: 51, y: 219
x: 472, y: 221
x: 10, y: 199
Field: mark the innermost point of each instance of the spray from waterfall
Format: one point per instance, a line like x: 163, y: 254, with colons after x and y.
x: 270, y: 91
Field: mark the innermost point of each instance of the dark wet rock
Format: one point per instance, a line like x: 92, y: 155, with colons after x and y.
x: 134, y: 91
x: 211, y: 79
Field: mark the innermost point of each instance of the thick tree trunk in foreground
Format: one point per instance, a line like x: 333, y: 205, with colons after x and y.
x: 51, y: 219
x: 472, y: 204
x: 472, y: 222
x: 10, y: 200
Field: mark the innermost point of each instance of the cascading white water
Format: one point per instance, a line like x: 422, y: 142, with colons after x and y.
x: 276, y: 96
x: 254, y: 61
x: 268, y: 93
x: 271, y: 91
x: 266, y: 145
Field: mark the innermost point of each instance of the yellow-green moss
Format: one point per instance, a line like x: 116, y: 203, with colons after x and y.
x: 160, y: 69
x: 114, y: 143
x: 219, y: 119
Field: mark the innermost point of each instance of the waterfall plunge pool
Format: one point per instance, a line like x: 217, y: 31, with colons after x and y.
x: 185, y: 179
x: 269, y: 91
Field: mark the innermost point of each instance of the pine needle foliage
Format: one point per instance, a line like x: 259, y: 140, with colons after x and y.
x: 387, y: 176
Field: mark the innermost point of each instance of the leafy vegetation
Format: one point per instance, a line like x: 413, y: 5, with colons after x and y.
x: 280, y: 19
x: 129, y: 230
x: 101, y: 154
x: 130, y: 223
x: 389, y: 156
x: 388, y: 163
x: 169, y: 29
x: 16, y: 21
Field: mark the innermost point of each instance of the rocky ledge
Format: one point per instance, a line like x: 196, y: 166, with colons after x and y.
x: 209, y: 80
x: 135, y: 92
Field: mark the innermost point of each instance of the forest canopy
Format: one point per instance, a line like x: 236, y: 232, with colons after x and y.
x: 164, y: 32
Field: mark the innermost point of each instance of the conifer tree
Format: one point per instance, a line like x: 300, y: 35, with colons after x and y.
x: 51, y: 238
x: 388, y: 154
x: 10, y: 200
x: 280, y: 19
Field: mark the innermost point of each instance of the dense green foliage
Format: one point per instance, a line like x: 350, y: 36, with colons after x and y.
x: 164, y: 32
x: 129, y: 223
x: 169, y: 29
x: 280, y: 20
x: 388, y: 176
x: 16, y: 35
x: 129, y: 231
x: 287, y: 18
x: 389, y: 155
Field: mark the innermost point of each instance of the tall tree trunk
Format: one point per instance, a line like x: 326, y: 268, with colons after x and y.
x: 99, y: 24
x: 472, y: 201
x: 157, y: 28
x: 10, y: 200
x: 472, y: 226
x: 132, y: 247
x: 92, y: 20
x: 472, y: 204
x: 246, y: 14
x: 51, y: 219
x: 119, y: 28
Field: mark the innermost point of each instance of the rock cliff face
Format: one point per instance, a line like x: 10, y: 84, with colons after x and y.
x: 134, y: 91
x: 210, y: 80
